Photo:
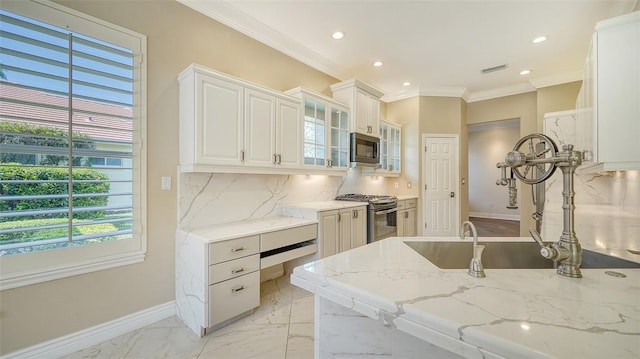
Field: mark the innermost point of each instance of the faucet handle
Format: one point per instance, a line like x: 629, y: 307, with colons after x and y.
x: 536, y: 236
x: 546, y: 251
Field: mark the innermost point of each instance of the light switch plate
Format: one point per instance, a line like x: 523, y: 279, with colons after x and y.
x: 166, y: 183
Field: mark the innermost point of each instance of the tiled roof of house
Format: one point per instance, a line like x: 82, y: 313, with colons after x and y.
x: 101, y: 121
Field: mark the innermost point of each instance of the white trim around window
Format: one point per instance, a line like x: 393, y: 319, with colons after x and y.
x: 30, y: 268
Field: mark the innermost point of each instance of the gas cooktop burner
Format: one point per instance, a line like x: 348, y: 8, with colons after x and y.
x: 371, y: 198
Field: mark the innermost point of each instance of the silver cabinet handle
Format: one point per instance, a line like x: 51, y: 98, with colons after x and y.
x: 406, y: 214
x: 355, y: 213
x: 242, y: 155
x: 234, y: 290
x: 279, y: 158
x: 275, y: 158
x: 236, y: 271
x: 238, y: 249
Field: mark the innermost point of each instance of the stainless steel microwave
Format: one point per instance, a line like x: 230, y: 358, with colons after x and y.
x: 365, y: 150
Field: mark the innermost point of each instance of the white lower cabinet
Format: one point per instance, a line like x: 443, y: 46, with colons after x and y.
x: 234, y: 278
x: 341, y: 230
x: 407, y: 217
x: 219, y: 281
x: 233, y: 297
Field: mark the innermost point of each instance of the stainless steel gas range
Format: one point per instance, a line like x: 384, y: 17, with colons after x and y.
x: 381, y: 216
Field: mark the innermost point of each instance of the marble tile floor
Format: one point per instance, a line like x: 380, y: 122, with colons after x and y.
x: 281, y: 327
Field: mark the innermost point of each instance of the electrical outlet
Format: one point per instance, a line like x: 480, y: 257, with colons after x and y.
x: 396, y: 185
x: 166, y: 183
x: 409, y: 185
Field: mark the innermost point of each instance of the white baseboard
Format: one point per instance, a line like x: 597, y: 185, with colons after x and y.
x: 74, y: 342
x: 509, y: 217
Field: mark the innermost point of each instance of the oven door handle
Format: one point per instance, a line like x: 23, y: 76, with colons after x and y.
x: 386, y: 211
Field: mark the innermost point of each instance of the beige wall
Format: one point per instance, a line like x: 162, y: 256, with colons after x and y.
x: 406, y: 114
x: 177, y: 37
x: 522, y: 106
x: 556, y: 98
x: 530, y: 109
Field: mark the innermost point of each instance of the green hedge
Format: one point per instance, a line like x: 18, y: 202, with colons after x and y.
x: 20, y: 172
x: 28, y: 134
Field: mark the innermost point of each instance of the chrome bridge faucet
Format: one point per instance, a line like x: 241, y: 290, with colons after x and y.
x: 536, y: 167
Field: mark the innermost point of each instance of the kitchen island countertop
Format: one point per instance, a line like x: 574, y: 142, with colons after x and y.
x: 532, y: 313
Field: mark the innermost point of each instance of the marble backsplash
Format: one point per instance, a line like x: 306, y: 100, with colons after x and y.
x: 607, y: 214
x: 215, y: 198
x: 620, y: 189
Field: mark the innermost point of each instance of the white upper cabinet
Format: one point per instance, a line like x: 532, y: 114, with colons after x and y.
x: 288, y: 133
x: 325, y: 140
x: 272, y: 131
x: 211, y: 125
x: 364, y: 101
x: 609, y: 100
x: 230, y: 125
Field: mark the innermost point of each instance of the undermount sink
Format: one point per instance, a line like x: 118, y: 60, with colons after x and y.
x: 506, y: 255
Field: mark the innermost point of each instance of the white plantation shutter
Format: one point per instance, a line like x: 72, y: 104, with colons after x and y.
x: 71, y: 129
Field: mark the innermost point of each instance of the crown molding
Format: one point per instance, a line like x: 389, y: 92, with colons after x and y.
x: 556, y: 79
x: 501, y: 92
x: 228, y: 15
x: 400, y: 95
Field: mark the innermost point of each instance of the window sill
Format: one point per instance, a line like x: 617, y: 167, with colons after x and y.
x: 28, y: 277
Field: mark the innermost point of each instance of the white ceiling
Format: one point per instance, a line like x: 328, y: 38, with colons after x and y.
x: 439, y: 46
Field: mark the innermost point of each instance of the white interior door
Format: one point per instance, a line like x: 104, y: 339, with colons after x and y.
x: 440, y: 177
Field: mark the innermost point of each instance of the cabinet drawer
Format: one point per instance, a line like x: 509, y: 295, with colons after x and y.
x: 411, y: 203
x: 402, y: 204
x: 233, y: 249
x: 232, y: 269
x: 233, y: 297
x: 285, y: 237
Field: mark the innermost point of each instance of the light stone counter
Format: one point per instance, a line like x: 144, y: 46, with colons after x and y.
x: 310, y: 209
x: 223, y: 232
x: 406, y: 196
x: 384, y: 299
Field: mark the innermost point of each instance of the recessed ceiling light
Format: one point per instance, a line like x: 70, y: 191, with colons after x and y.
x: 338, y: 35
x: 525, y: 72
x: 406, y: 83
x: 377, y: 63
x: 539, y: 39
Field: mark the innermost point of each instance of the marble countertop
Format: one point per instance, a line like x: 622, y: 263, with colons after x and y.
x: 223, y: 232
x: 327, y: 205
x: 520, y: 313
x: 402, y: 197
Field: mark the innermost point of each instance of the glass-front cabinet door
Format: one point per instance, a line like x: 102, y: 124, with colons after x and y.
x: 390, y: 147
x: 339, y: 137
x: 315, y: 128
x: 326, y: 131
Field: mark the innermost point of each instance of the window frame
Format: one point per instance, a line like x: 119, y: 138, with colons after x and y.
x: 36, y: 267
